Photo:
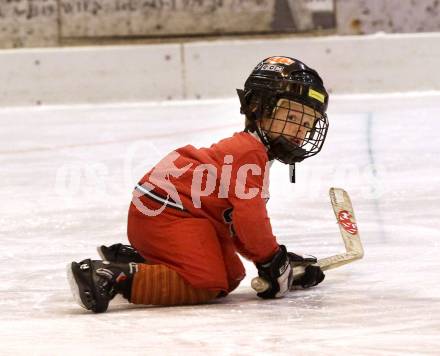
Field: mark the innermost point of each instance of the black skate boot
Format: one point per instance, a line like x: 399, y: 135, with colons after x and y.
x: 120, y: 253
x: 95, y: 283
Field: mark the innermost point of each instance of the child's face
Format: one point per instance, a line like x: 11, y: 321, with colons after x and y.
x: 290, y: 119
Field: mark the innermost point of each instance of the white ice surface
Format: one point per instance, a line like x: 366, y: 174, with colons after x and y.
x: 66, y: 176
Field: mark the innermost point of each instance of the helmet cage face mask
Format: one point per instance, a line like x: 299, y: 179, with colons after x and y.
x: 293, y: 131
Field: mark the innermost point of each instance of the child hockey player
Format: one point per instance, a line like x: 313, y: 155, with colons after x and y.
x: 198, y: 208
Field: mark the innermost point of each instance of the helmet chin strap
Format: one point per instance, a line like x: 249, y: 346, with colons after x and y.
x: 292, y: 177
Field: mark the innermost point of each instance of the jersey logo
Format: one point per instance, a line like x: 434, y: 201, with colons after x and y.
x: 345, y: 220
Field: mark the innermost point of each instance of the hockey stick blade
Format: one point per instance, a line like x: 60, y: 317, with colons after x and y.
x: 345, y: 217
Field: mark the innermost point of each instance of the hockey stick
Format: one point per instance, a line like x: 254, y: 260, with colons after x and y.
x: 344, y: 213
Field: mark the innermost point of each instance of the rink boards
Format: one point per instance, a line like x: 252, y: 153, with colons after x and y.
x: 213, y: 69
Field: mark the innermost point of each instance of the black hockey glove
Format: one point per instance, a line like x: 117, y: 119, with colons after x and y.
x: 278, y: 273
x: 313, y: 274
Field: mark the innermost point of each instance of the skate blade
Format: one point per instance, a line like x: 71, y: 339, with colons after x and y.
x: 100, y: 253
x: 74, y: 286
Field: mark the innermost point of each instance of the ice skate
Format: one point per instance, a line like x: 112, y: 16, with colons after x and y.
x: 95, y: 283
x: 120, y: 253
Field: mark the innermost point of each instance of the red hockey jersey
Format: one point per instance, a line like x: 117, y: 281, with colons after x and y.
x: 226, y: 183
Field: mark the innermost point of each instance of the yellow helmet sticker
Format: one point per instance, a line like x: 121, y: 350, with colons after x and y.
x: 316, y: 95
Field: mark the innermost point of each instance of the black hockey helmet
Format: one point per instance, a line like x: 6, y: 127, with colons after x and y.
x: 277, y: 78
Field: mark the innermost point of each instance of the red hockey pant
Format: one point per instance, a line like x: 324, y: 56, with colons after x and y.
x: 188, y: 245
